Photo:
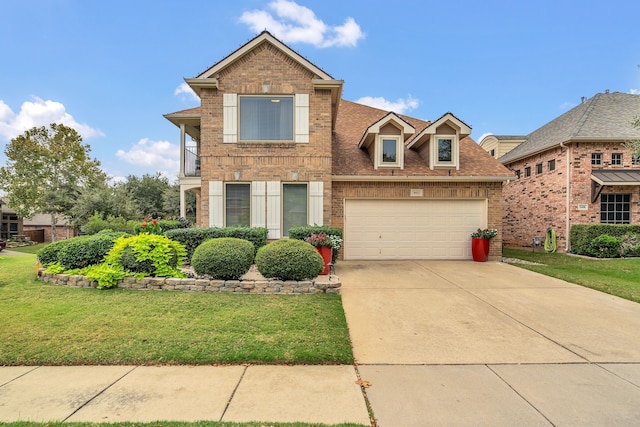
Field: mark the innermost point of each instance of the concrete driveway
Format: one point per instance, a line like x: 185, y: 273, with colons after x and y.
x: 464, y: 343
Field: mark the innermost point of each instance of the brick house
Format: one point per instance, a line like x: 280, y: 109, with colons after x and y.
x: 574, y: 170
x: 273, y: 145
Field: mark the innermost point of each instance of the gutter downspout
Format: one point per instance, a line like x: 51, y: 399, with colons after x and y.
x: 568, y: 199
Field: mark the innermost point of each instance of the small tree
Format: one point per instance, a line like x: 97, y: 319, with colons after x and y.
x: 634, y: 146
x: 47, y: 168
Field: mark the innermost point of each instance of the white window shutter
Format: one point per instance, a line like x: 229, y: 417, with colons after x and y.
x: 216, y: 204
x: 258, y: 204
x: 316, y: 203
x: 230, y: 117
x: 273, y: 209
x: 302, y: 117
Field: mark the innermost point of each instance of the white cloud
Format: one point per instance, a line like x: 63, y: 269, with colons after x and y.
x: 160, y: 156
x: 399, y: 106
x: 39, y: 112
x: 634, y: 91
x: 299, y: 24
x: 185, y: 92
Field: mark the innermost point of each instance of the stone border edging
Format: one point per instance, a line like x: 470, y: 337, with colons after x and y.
x: 247, y: 286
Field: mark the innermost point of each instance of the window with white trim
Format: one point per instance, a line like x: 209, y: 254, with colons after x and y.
x: 237, y: 201
x: 615, y: 208
x: 266, y: 118
x: 635, y: 159
x: 295, y: 205
x: 445, y: 150
x: 596, y: 159
x: 389, y: 151
x: 616, y: 158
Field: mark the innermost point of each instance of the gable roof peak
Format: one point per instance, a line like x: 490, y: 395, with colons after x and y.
x: 263, y: 37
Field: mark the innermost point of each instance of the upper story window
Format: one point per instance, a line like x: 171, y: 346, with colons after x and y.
x: 635, y: 159
x: 539, y: 168
x: 445, y: 150
x: 551, y: 165
x: 616, y: 158
x: 389, y: 151
x: 596, y: 159
x: 518, y: 174
x: 493, y: 152
x: 266, y: 118
x: 527, y: 171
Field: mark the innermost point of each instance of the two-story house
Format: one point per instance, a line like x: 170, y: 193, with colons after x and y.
x: 575, y: 170
x: 274, y: 145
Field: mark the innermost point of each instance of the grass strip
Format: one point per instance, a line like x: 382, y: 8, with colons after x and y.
x: 619, y: 277
x: 44, y: 324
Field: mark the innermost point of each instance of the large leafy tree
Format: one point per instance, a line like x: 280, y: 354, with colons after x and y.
x: 634, y: 146
x: 46, y: 170
x: 147, y: 192
x: 105, y: 201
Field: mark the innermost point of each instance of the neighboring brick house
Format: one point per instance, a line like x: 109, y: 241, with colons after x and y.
x: 274, y: 145
x: 575, y: 170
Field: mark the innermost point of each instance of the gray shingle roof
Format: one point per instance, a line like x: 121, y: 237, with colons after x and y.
x: 604, y: 117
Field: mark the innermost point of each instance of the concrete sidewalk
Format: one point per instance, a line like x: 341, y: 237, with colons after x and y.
x: 327, y: 394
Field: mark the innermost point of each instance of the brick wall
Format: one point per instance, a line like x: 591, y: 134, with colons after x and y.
x: 431, y: 190
x: 533, y: 204
x: 268, y: 161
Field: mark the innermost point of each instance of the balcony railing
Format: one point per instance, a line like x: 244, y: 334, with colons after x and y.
x: 191, y: 162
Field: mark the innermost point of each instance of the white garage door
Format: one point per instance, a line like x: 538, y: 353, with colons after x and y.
x: 411, y: 229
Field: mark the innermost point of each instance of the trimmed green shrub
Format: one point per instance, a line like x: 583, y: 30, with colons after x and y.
x: 303, y: 232
x: 84, y: 251
x: 148, y: 254
x: 582, y: 235
x: 289, y: 259
x: 191, y: 238
x: 49, y: 254
x: 224, y: 258
x: 605, y: 246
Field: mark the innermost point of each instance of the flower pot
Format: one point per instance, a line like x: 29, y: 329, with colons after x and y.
x: 480, y: 249
x: 326, y: 252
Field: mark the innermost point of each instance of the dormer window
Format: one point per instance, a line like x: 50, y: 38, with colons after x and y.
x: 390, y: 151
x: 446, y: 150
x: 439, y: 143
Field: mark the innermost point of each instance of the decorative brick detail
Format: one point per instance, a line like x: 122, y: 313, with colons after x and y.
x: 329, y: 285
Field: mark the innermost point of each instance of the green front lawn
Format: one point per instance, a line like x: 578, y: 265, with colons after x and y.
x: 43, y: 324
x: 620, y: 277
x: 28, y: 249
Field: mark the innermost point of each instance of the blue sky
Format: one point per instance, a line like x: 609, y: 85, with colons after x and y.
x: 111, y: 69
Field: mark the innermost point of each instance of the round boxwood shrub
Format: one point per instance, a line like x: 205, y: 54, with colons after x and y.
x: 289, y: 260
x: 83, y: 251
x: 150, y: 254
x: 225, y: 258
x: 49, y: 254
x: 605, y: 246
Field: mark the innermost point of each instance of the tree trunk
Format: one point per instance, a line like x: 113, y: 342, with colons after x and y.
x: 54, y: 227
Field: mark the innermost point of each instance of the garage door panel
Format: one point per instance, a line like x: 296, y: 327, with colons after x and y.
x: 411, y: 229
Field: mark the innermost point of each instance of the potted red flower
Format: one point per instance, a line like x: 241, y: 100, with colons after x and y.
x: 324, y: 245
x: 480, y: 243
